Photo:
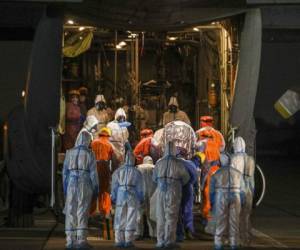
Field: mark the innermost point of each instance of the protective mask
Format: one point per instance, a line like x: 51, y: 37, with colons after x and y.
x: 172, y: 108
x: 100, y: 105
x: 121, y: 119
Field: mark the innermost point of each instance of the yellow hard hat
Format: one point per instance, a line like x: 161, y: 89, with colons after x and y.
x: 201, y: 156
x: 105, y: 131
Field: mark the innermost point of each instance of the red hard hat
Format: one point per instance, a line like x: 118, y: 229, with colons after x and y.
x: 146, y: 132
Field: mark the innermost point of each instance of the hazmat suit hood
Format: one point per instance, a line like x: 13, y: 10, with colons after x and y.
x: 84, y: 139
x: 170, y: 149
x: 239, y: 145
x: 129, y: 159
x: 148, y: 160
x: 173, y: 101
x: 225, y: 160
x: 90, y: 122
x: 120, y: 112
x: 100, y: 98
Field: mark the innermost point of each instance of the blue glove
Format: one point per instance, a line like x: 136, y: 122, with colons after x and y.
x: 127, y: 146
x: 65, y: 187
x: 243, y: 199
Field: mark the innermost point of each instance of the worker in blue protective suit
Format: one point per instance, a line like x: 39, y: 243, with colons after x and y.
x: 227, y: 197
x: 186, y: 219
x: 246, y: 165
x: 170, y: 175
x: 127, y: 194
x: 80, y: 182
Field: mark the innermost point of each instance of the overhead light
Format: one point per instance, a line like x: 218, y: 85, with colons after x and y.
x: 213, y: 23
x: 23, y: 93
x: 70, y: 21
x: 172, y: 38
x: 80, y: 37
x: 81, y: 28
x: 196, y: 29
x: 118, y: 46
x: 122, y: 43
x: 132, y: 35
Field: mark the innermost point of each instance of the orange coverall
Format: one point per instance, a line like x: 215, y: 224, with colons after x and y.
x: 212, y: 155
x: 103, y: 151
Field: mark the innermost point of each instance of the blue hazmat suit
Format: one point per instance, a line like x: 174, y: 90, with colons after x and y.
x: 227, y: 197
x: 80, y: 182
x: 127, y: 194
x: 246, y: 165
x: 170, y: 175
x: 186, y: 219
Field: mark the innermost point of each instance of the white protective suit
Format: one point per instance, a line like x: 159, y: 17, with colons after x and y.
x: 119, y: 134
x: 179, y: 115
x: 246, y: 165
x: 227, y: 197
x: 146, y: 170
x: 101, y: 115
x: 170, y: 175
x: 89, y: 127
x: 127, y: 194
x: 80, y: 182
x: 182, y: 135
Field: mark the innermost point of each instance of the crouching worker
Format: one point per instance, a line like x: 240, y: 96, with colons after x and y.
x: 146, y: 170
x: 227, y: 197
x: 80, y: 182
x: 127, y: 194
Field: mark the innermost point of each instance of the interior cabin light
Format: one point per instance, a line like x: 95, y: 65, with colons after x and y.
x: 132, y: 35
x: 196, y: 29
x: 172, y: 38
x: 70, y: 21
x: 123, y: 43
